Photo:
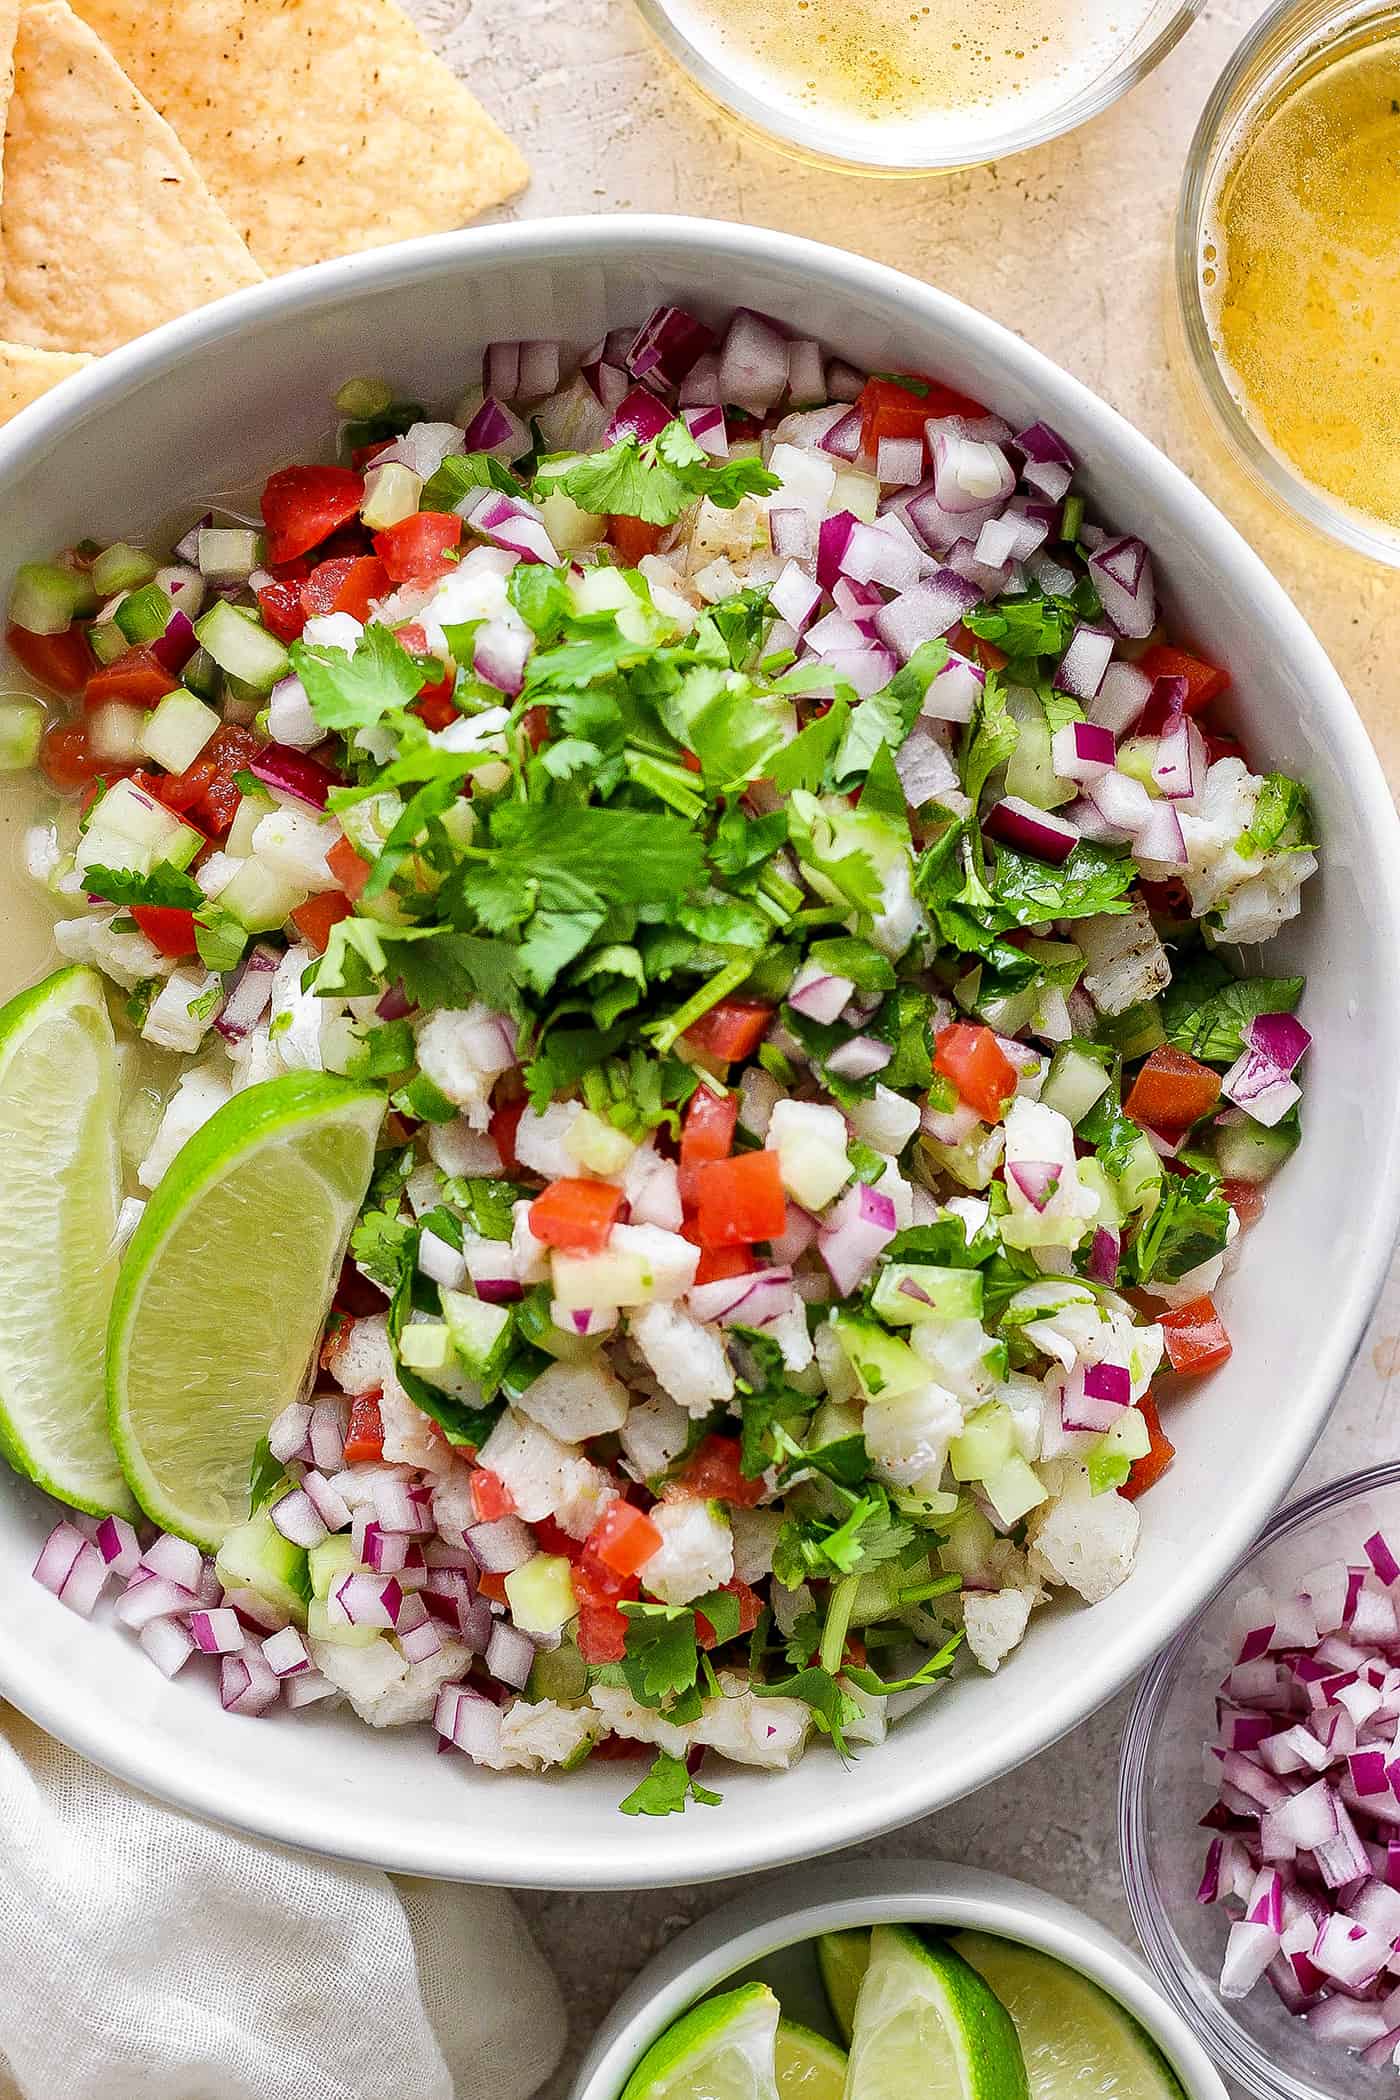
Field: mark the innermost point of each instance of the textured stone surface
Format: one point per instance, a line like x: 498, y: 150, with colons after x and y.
x: 1069, y: 246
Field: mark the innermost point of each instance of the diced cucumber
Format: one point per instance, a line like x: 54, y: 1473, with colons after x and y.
x: 1074, y: 1082
x: 367, y: 824
x: 569, y: 527
x: 322, y: 1626
x: 987, y: 1443
x: 878, y: 1594
x: 106, y: 641
x: 121, y: 567
x: 391, y: 495
x: 541, y: 1594
x: 426, y: 1346
x: 1137, y: 755
x: 1030, y: 770
x: 481, y: 1334
x: 260, y: 900
x: 607, y: 590
x: 228, y: 553
x: 241, y: 647
x: 177, y: 731
x: 144, y: 615
x: 884, y: 1366
x: 250, y: 813
x: 598, y: 1147
x: 931, y: 1294
x: 1110, y: 1461
x: 331, y: 1562
x: 130, y: 829
x: 972, y: 1163
x: 1013, y: 1489
x: 255, y: 1556
x: 559, y: 1673
x: 46, y: 599
x: 114, y: 733
x: 1141, y: 1178
x: 202, y: 676
x: 1249, y: 1152
x: 1092, y: 1176
x: 856, y: 492
x: 1134, y: 1033
x: 21, y: 727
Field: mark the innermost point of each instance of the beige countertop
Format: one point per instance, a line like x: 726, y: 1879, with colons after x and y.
x: 1069, y: 247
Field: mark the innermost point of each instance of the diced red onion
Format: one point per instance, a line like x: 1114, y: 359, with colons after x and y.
x: 854, y: 1233
x: 500, y: 652
x: 246, y: 1684
x: 899, y: 462
x: 146, y: 1598
x: 1179, y: 769
x: 1095, y: 1395
x: 1085, y: 661
x: 293, y: 773
x: 843, y: 381
x: 72, y: 1569
x: 1082, y: 751
x: 670, y: 341
x: 926, y: 771
x: 924, y: 611
x: 510, y: 1655
x: 1122, y: 802
x: 1048, y: 463
x: 495, y: 430
x: 955, y: 691
x: 217, y: 1632
x: 747, y: 1301
x: 1104, y: 1252
x: 307, y: 1689
x: 707, y: 427
x: 860, y: 1058
x: 968, y: 473
x: 167, y: 1644
x: 327, y: 1435
x: 796, y: 596
x: 468, y: 1721
x: 502, y: 1545
x: 326, y: 1500
x: 1376, y: 1548
x: 1160, y: 838
x: 842, y: 440
x: 700, y: 387
x: 512, y: 523
x: 1037, y: 1179
x: 868, y: 670
x: 295, y: 1516
x: 639, y: 414
x: 819, y: 995
x: 1259, y: 1081
x: 753, y: 363
x: 285, y: 1653
x: 1039, y: 832
x: 369, y: 1600
x: 118, y: 1544
x: 793, y: 535
x: 247, y: 1000
x: 289, y: 1436
x: 882, y: 553
x: 1122, y: 573
x: 175, y: 1560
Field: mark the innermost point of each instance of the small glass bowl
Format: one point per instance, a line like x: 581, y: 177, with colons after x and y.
x: 1163, y: 1793
x: 1286, y: 38
x: 688, y: 31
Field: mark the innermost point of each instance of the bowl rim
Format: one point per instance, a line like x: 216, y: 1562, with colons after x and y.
x: 763, y: 1921
x: 1238, y: 2052
x: 471, y: 1853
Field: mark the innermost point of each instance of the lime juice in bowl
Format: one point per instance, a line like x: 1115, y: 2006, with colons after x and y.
x: 881, y: 1981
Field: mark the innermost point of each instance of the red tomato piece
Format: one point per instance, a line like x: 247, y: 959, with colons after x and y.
x: 713, y: 1474
x: 302, y: 506
x: 706, y: 1134
x: 364, y: 1439
x: 749, y: 1609
x: 347, y: 583
x: 349, y: 870
x: 551, y: 1537
x: 970, y: 1055
x: 63, y: 662
x: 280, y: 604
x: 491, y: 1498
x: 1245, y: 1198
x: 623, y: 1539
x: 720, y: 1264
x: 137, y: 678
x: 435, y: 704
x: 633, y: 538
x: 1171, y: 1092
x: 1147, y: 1471
x: 314, y: 919
x: 422, y: 548
x: 1204, y: 682
x: 1195, y: 1337
x: 1224, y: 747
x: 575, y: 1215
x: 732, y: 1029
x: 981, y: 652
x: 206, y: 789
x: 64, y: 757
x: 740, y: 1200
x: 505, y: 1121
x: 168, y: 928
x: 494, y: 1587
x: 602, y: 1638
x: 889, y: 409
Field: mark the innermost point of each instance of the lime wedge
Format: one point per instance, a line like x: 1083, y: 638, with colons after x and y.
x: 928, y: 2028
x: 1074, y: 2036
x: 808, y: 2066
x: 722, y: 2049
x: 842, y: 1958
x: 224, y: 1289
x: 59, y: 1192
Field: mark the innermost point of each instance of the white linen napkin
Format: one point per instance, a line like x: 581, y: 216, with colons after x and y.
x: 147, y: 1956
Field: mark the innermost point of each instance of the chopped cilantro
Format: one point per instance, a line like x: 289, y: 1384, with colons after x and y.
x: 1205, y: 1010
x: 667, y: 1788
x: 1281, y: 822
x: 658, y: 480
x: 354, y: 692
x: 166, y: 887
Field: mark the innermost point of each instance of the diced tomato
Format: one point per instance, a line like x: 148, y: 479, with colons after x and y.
x: 706, y: 1134
x: 1147, y: 1471
x: 633, y: 538
x: 138, y: 678
x: 970, y: 1055
x: 732, y: 1029
x: 435, y: 705
x: 349, y: 870
x: 364, y: 1439
x: 494, y: 1587
x: 691, y: 762
x: 302, y: 506
x: 575, y: 1215
x: 888, y: 409
x: 721, y: 1264
x: 749, y: 1609
x: 364, y: 455
x: 63, y: 662
x: 551, y: 1537
x: 206, y: 791
x: 981, y: 652
x: 623, y: 1539
x: 421, y: 548
x: 1195, y: 1337
x: 602, y: 1637
x: 168, y: 928
x: 280, y: 604
x: 345, y: 584
x: 65, y: 760
x: 1204, y: 682
x: 491, y: 1498
x: 1218, y: 747
x: 1171, y: 1092
x: 314, y: 919
x: 505, y: 1121
x: 713, y: 1474
x: 740, y: 1200
x: 1246, y: 1200
x: 620, y: 1749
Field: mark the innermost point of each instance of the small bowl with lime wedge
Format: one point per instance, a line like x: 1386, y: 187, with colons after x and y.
x: 929, y: 1981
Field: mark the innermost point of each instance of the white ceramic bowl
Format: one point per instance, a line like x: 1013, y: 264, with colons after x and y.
x: 211, y: 403
x: 764, y: 1931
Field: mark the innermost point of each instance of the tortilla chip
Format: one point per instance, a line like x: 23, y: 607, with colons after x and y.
x: 322, y: 126
x: 106, y: 226
x: 26, y: 373
x: 9, y: 23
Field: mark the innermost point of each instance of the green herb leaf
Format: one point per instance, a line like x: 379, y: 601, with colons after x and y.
x: 666, y: 1789
x: 658, y: 480
x: 1205, y: 1010
x: 355, y: 691
x: 166, y: 887
x: 1281, y: 823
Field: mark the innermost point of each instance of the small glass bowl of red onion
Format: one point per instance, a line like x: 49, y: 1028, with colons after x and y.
x: 1259, y: 1804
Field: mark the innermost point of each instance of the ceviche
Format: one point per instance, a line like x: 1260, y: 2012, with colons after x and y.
x: 740, y: 830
